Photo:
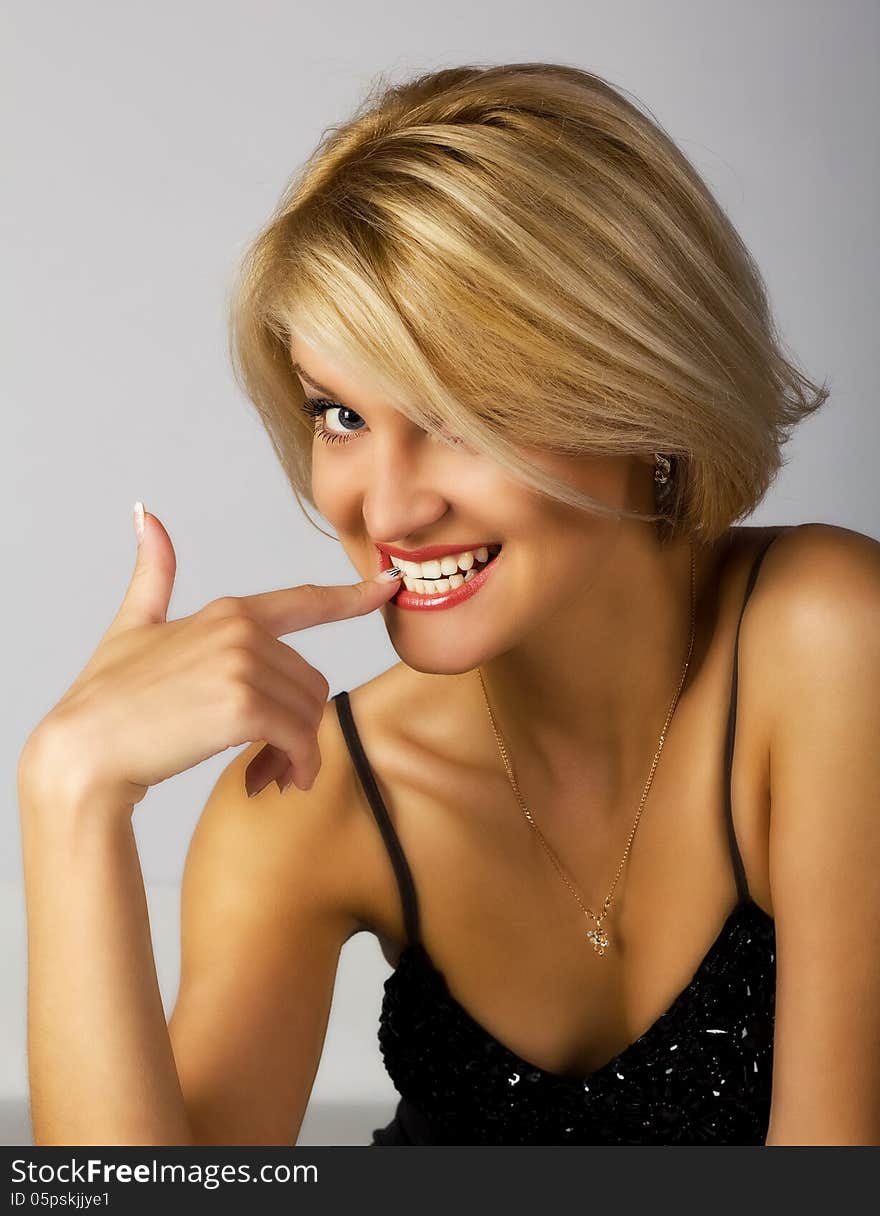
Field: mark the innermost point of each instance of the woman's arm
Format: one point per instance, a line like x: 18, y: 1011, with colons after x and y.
x: 272, y: 888
x: 100, y: 1062
x: 823, y: 659
x: 156, y: 698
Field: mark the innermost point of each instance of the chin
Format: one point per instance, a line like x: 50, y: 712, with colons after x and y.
x: 443, y: 651
x: 436, y: 664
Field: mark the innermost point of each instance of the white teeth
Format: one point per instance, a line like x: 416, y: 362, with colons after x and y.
x: 427, y: 586
x: 445, y: 567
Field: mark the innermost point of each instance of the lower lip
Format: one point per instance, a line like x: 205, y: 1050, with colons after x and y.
x: 412, y: 601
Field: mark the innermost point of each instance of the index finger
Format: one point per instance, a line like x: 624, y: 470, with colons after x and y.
x: 295, y: 608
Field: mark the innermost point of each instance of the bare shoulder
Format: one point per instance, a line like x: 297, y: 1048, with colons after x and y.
x: 270, y: 894
x: 806, y: 556
x: 818, y: 649
x: 818, y: 583
x: 818, y: 591
x: 291, y: 846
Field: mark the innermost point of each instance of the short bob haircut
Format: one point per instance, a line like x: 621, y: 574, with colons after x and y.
x: 520, y: 257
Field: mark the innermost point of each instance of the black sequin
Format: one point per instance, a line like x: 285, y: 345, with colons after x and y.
x: 701, y: 1074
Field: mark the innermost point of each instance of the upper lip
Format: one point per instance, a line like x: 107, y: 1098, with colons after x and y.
x: 430, y: 551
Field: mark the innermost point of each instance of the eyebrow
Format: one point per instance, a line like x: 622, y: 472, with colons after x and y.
x: 322, y: 388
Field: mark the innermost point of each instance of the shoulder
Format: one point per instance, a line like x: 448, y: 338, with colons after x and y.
x: 817, y: 653
x: 267, y: 903
x: 811, y: 631
x: 809, y: 567
x: 817, y: 596
x: 301, y: 850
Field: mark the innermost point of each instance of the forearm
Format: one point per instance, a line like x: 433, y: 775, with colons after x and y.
x: 100, y: 1062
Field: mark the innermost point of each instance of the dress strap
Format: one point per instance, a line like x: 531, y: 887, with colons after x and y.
x: 739, y: 869
x: 402, y: 872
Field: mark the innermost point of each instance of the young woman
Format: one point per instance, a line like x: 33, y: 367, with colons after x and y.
x: 506, y: 342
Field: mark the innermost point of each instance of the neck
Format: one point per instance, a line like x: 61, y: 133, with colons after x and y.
x: 581, y: 703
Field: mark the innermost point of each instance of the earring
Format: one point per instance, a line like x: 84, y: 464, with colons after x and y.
x: 662, y: 468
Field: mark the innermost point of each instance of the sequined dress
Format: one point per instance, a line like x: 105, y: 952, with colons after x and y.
x: 701, y: 1074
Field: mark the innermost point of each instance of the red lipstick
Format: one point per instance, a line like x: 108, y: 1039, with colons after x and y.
x: 413, y: 601
x: 431, y: 551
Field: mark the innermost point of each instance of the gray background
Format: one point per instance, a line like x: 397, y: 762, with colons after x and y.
x: 144, y: 145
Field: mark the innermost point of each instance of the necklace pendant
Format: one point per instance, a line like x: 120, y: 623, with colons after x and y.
x: 599, y: 940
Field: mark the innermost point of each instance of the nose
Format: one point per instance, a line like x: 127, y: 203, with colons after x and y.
x: 403, y: 495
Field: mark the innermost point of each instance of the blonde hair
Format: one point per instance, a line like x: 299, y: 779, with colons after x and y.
x: 517, y: 254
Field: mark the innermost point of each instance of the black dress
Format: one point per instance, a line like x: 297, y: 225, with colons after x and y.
x: 701, y: 1074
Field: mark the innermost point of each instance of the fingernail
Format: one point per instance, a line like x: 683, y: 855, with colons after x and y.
x: 387, y: 575
x: 139, y: 521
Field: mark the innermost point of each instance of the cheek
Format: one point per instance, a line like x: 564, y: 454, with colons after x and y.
x: 333, y: 493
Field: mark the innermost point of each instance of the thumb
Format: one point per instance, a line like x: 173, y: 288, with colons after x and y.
x: 148, y: 594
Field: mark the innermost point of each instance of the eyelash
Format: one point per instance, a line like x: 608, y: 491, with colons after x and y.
x: 316, y: 408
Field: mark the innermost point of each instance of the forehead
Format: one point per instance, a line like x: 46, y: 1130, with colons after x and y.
x: 318, y: 370
x: 310, y: 380
x: 331, y: 376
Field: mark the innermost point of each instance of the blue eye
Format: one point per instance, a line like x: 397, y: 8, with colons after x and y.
x: 317, y: 407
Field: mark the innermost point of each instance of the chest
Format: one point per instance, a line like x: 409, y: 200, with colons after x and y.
x: 702, y: 1073
x: 509, y: 933
x: 507, y: 929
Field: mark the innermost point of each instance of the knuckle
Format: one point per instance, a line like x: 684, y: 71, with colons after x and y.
x: 320, y: 704
x: 305, y: 737
x: 247, y: 706
x: 225, y: 606
x: 313, y: 712
x: 241, y: 664
x: 314, y: 687
x: 237, y: 631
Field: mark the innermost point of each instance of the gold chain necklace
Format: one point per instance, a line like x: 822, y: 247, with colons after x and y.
x: 596, y: 935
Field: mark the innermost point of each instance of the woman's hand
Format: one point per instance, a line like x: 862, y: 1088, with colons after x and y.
x: 157, y: 696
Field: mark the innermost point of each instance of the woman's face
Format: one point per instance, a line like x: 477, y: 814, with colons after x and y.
x: 379, y: 479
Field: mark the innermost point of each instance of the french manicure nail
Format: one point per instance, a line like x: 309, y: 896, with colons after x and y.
x: 139, y: 521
